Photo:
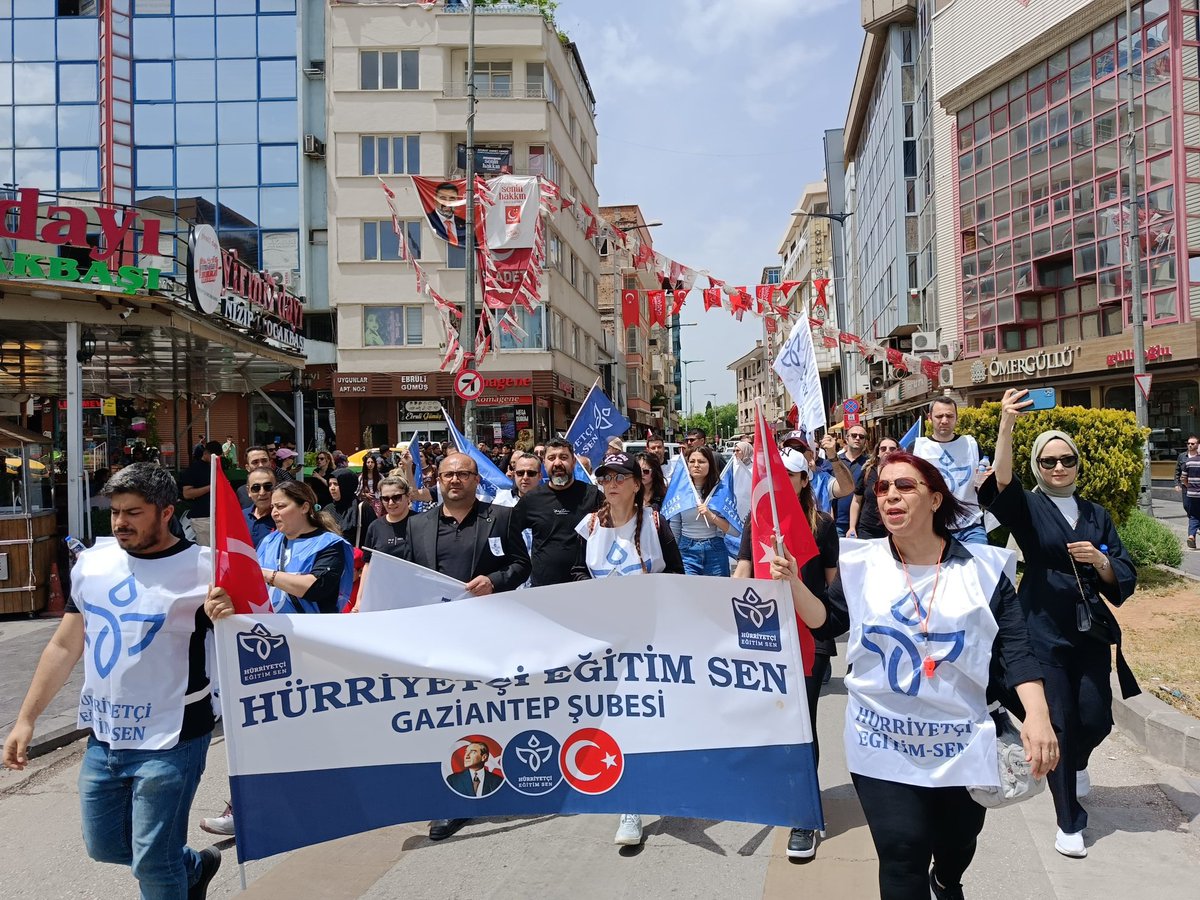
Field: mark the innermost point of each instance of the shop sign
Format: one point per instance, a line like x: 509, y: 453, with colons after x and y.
x: 566, y: 386
x: 379, y: 384
x: 504, y: 400
x: 89, y: 403
x: 506, y: 382
x: 420, y: 411
x: 1029, y: 366
x: 130, y: 279
x: 1125, y: 357
x: 69, y: 225
x: 412, y: 384
x: 204, y: 271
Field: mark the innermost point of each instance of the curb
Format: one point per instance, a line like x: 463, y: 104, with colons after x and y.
x: 55, y: 739
x: 1166, y: 734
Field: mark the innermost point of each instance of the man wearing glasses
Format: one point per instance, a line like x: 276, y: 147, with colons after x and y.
x: 466, y: 539
x: 1187, y: 480
x: 854, y: 456
x: 259, y: 485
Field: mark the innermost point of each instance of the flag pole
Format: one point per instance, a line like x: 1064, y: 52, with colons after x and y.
x: 582, y: 405
x: 214, y: 462
x: 762, y: 429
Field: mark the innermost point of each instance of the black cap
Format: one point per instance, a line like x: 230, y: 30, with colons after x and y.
x: 620, y: 463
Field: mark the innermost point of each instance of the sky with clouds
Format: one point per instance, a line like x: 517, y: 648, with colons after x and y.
x: 711, y: 115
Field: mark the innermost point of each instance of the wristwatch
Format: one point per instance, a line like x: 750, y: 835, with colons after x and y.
x: 1103, y: 565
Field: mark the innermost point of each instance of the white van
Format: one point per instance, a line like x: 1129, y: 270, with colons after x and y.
x: 633, y: 448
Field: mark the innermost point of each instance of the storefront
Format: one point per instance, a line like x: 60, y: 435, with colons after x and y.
x: 504, y: 412
x: 1099, y: 374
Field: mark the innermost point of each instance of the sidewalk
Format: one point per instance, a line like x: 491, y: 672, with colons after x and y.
x: 21, y: 643
x: 1168, y: 509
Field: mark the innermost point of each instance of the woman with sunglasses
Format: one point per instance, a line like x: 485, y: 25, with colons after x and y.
x: 1073, y: 558
x: 319, y: 479
x: 927, y: 617
x: 654, y: 483
x: 864, y: 511
x: 621, y: 538
x: 700, y: 531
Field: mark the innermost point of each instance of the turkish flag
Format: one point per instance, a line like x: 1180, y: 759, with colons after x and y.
x: 788, y: 286
x: 631, y: 308
x: 657, y: 302
x: 677, y: 297
x: 712, y: 298
x: 819, y: 285
x: 770, y: 324
x: 895, y: 358
x: 763, y: 294
x: 770, y: 477
x: 931, y: 368
x: 236, y: 567
x: 740, y: 300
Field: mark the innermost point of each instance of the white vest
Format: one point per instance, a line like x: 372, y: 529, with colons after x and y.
x: 902, y: 725
x: 958, y: 461
x: 139, y: 616
x: 611, y: 551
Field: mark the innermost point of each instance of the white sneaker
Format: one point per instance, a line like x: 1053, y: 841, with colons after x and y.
x: 629, y: 832
x: 1083, y: 784
x: 222, y: 824
x: 1070, y: 844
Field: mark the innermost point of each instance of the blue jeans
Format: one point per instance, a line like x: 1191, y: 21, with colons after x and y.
x: 1191, y: 506
x: 972, y: 534
x: 706, y: 557
x: 135, y: 806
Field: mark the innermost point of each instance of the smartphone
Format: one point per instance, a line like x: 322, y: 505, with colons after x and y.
x: 1043, y: 398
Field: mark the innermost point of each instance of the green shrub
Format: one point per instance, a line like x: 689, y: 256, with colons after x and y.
x: 1109, y: 440
x: 1149, y: 541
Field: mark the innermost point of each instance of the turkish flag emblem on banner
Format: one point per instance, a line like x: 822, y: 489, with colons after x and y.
x: 235, y: 564
x: 657, y: 301
x: 770, y: 324
x: 631, y: 308
x: 677, y: 297
x: 712, y: 298
x: 763, y: 293
x: 770, y: 478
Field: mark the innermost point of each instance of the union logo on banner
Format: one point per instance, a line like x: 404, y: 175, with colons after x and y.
x: 757, y: 620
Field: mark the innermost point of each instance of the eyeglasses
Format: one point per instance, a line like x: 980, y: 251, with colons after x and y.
x: 859, y: 436
x: 1049, y: 463
x: 619, y: 478
x: 903, y: 485
x: 393, y: 498
x: 259, y: 488
x: 526, y: 473
x: 457, y: 476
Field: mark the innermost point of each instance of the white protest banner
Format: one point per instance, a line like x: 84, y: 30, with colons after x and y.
x: 393, y: 583
x: 797, y: 368
x: 661, y: 693
x: 511, y: 220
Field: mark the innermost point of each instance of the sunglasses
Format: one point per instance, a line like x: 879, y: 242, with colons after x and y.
x: 888, y: 449
x: 393, y: 498
x: 526, y: 473
x: 617, y: 478
x: 259, y: 488
x: 859, y: 436
x: 1049, y: 463
x: 903, y: 485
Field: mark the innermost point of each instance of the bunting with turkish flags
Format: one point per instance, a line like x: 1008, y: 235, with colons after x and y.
x: 776, y: 517
x: 235, y: 564
x: 657, y: 302
x: 763, y: 294
x: 630, y: 308
x: 712, y: 298
x: 677, y: 299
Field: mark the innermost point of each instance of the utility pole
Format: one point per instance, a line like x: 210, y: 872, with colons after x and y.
x: 1137, y: 303
x: 468, y: 326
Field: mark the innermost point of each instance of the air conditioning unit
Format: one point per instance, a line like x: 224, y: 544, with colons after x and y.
x: 948, y: 351
x: 946, y: 377
x: 314, y: 147
x: 924, y: 342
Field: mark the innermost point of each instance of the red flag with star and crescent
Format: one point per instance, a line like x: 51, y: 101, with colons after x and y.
x: 235, y: 564
x: 792, y: 527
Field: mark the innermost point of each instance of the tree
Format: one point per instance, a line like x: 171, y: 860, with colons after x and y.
x: 717, y: 421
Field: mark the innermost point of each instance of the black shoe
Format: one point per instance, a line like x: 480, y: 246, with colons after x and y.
x: 802, y: 844
x: 440, y: 829
x: 210, y: 861
x: 828, y: 675
x: 944, y: 893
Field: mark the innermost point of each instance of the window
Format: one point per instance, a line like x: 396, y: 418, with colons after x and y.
x: 394, y: 154
x: 393, y: 326
x: 379, y: 240
x: 388, y: 70
x: 492, y: 79
x: 532, y: 324
x: 535, y: 81
x: 537, y: 160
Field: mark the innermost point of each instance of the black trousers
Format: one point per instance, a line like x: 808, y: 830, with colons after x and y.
x: 1079, y: 694
x: 812, y: 687
x: 912, y: 826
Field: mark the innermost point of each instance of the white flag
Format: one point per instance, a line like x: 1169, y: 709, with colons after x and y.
x: 394, y: 583
x: 797, y: 366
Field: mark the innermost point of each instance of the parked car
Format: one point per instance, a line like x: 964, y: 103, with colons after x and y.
x: 635, y: 447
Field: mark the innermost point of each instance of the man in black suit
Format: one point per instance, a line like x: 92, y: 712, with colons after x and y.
x: 466, y: 538
x: 447, y: 218
x: 475, y: 780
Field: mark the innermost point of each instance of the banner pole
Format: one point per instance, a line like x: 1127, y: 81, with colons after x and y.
x: 582, y: 405
x: 762, y: 429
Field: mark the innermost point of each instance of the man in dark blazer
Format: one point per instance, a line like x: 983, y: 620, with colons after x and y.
x: 475, y: 773
x: 466, y: 538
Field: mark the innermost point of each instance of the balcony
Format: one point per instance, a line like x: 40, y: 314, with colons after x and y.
x: 534, y: 90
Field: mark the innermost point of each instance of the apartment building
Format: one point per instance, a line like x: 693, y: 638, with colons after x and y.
x: 754, y: 380
x: 396, y: 99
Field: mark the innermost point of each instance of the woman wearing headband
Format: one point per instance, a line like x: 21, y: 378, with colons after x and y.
x: 1073, y: 558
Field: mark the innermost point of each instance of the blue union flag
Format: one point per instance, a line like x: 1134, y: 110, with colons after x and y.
x: 597, y: 422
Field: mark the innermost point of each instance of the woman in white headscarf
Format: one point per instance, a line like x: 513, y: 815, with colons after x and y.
x: 1074, y: 561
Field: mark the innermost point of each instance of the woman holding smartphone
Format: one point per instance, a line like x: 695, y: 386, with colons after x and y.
x: 1074, y: 561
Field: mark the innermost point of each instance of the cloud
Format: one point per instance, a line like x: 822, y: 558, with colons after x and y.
x: 783, y: 81
x: 619, y: 61
x: 721, y: 24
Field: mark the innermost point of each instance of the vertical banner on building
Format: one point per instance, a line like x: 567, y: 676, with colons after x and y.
x: 661, y: 693
x: 797, y: 367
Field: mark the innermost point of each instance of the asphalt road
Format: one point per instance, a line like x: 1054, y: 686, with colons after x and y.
x: 1144, y: 840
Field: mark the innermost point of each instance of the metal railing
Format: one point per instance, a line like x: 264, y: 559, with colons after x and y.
x: 532, y: 90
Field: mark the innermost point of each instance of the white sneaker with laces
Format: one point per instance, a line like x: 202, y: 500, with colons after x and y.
x: 629, y: 832
x: 1070, y: 844
x: 1083, y: 784
x: 222, y: 824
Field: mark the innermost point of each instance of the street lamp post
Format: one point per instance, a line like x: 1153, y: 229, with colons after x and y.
x: 467, y: 335
x: 683, y: 386
x: 692, y: 396
x: 839, y: 299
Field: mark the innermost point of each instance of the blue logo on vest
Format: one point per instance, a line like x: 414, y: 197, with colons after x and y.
x: 530, y: 763
x: 757, y: 620
x: 263, y: 656
x: 107, y: 648
x: 956, y: 476
x: 905, y: 659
